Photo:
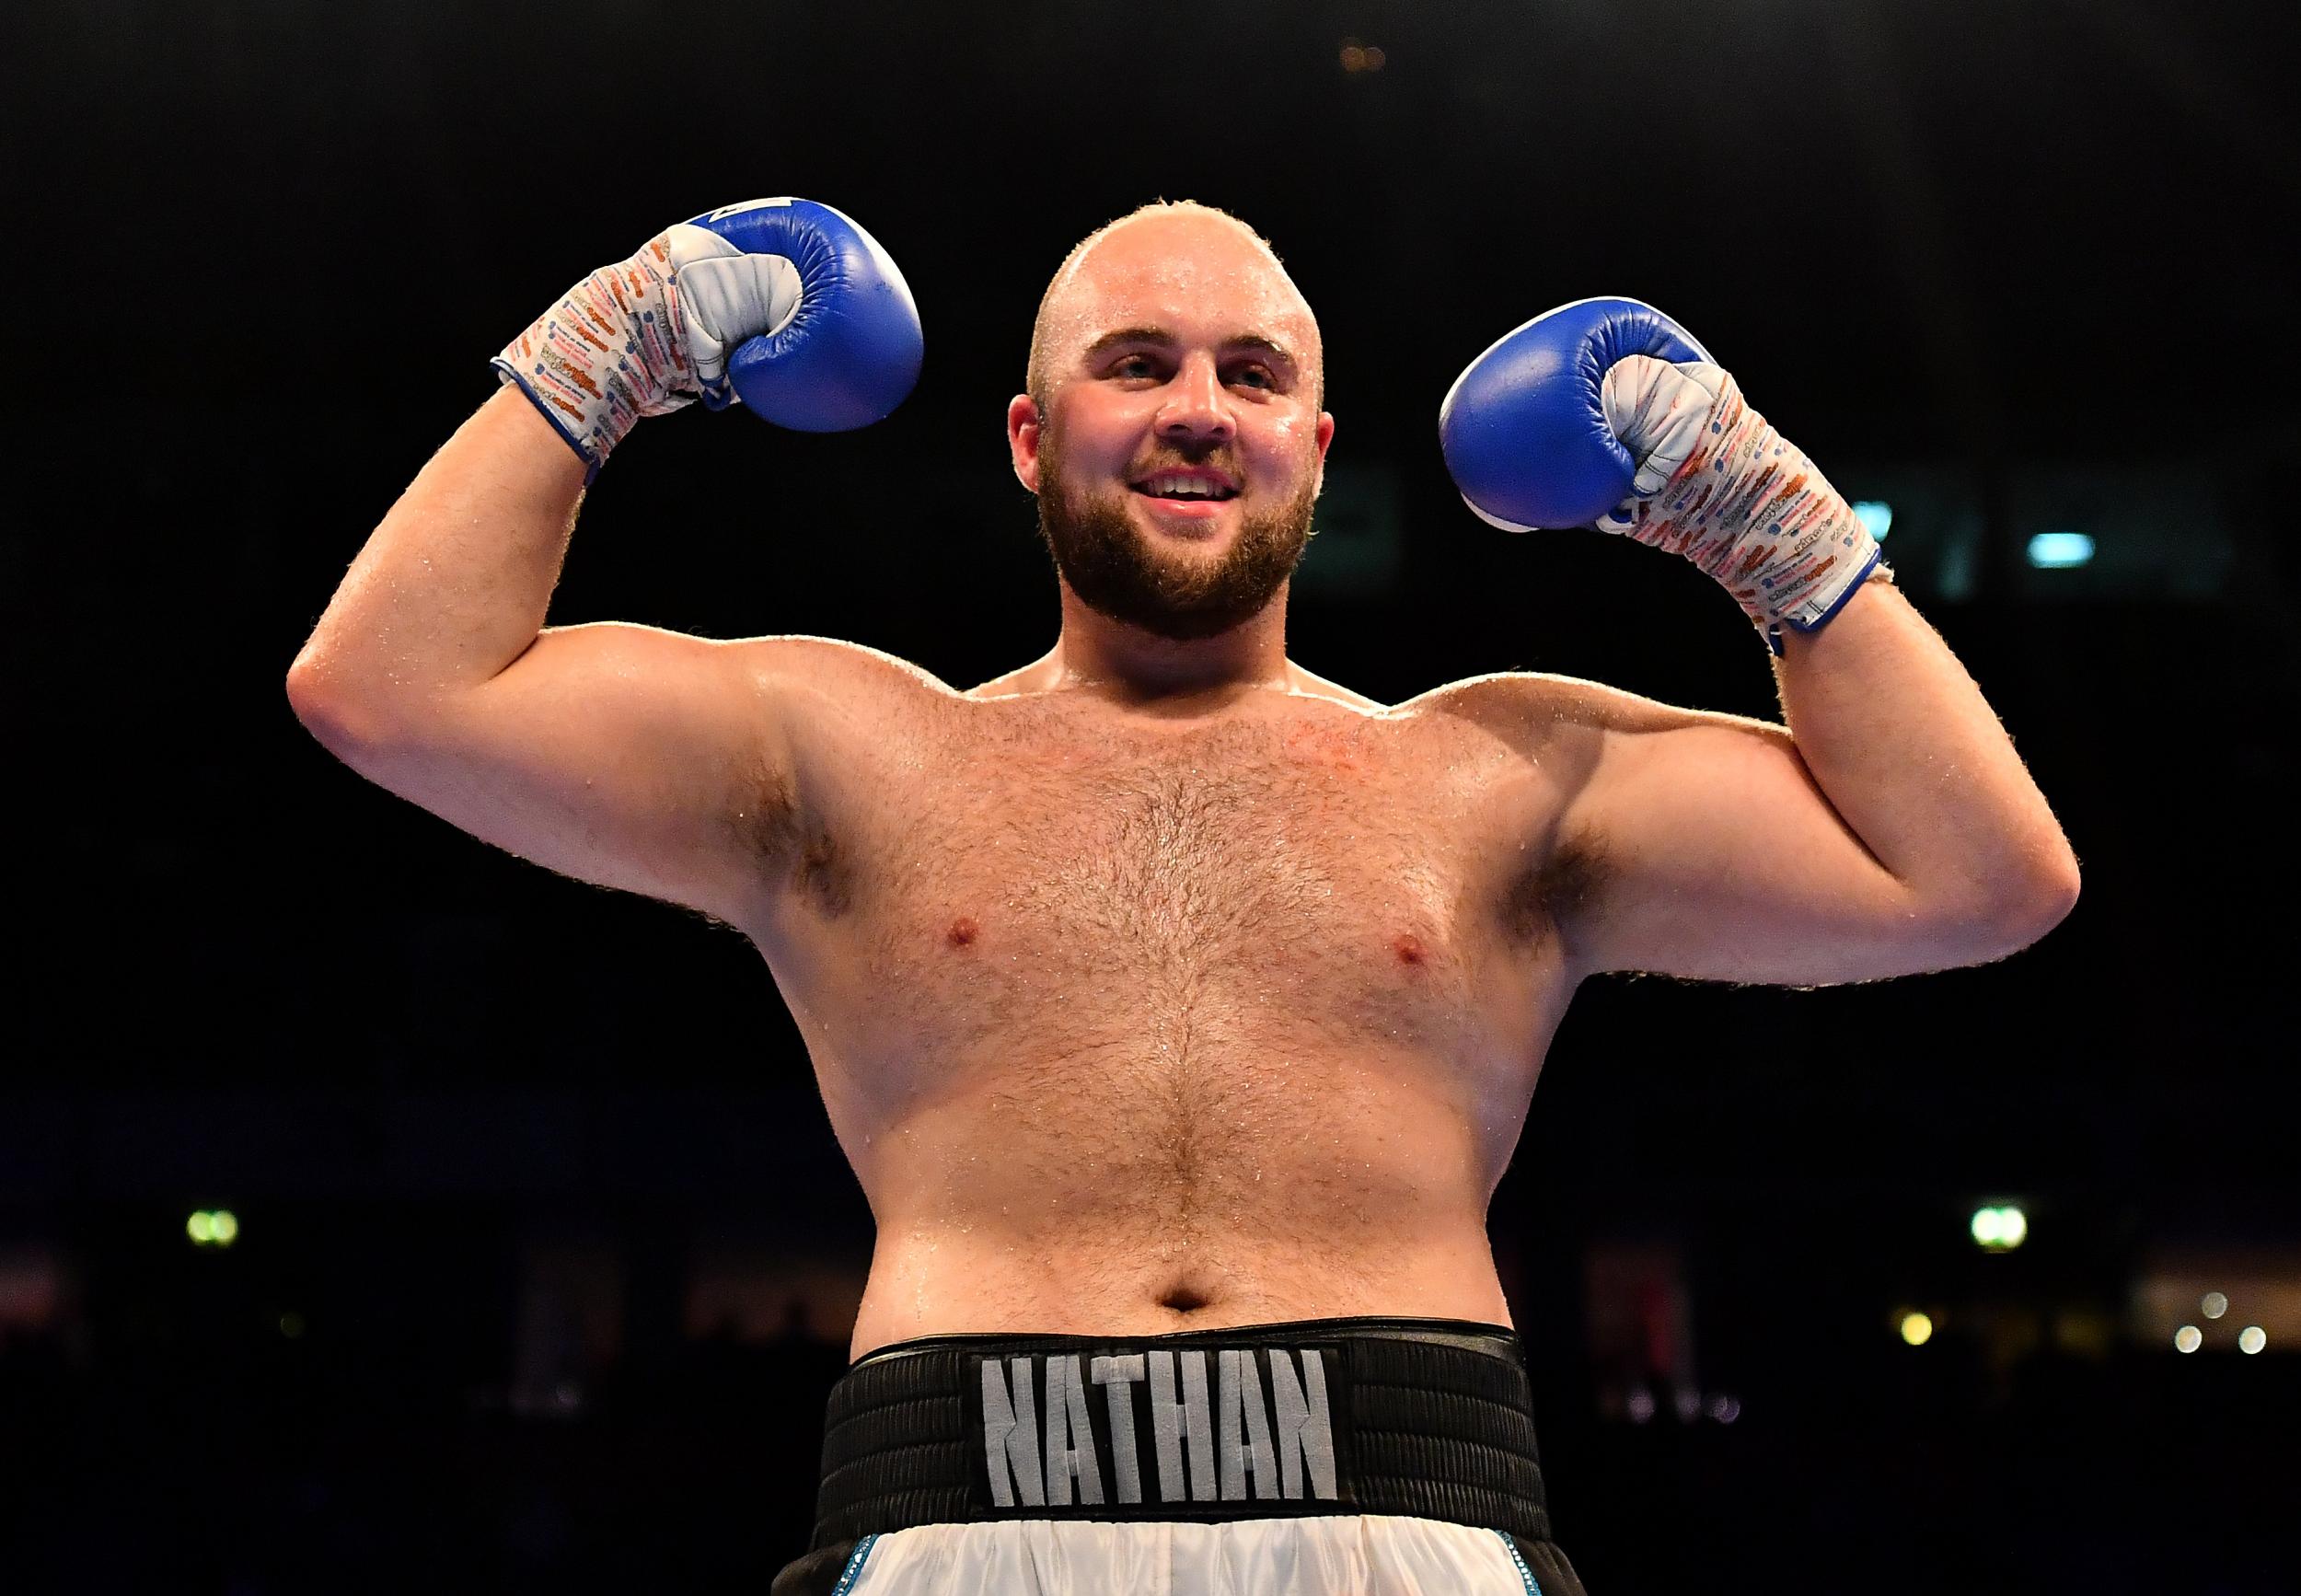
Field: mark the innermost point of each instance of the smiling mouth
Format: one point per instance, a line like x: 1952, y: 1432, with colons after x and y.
x: 1197, y: 494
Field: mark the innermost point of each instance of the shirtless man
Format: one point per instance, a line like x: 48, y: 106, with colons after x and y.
x: 1177, y: 1009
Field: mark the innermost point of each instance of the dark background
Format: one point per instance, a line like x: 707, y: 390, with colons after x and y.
x: 544, y: 1239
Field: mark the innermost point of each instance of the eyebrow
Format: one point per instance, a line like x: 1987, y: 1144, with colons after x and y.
x: 1160, y: 335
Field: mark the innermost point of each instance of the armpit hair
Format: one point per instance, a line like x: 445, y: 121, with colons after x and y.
x: 1546, y: 900
x: 794, y: 850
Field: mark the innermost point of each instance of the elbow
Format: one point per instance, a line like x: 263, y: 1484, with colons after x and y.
x: 332, y: 717
x: 1981, y: 931
x: 309, y: 702
x: 2026, y: 917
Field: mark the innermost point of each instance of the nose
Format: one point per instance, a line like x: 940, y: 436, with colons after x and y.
x: 1196, y: 406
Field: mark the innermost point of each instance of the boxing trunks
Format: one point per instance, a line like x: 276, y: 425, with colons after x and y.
x: 1378, y: 1457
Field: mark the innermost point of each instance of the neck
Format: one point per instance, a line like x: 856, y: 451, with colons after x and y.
x: 1132, y: 665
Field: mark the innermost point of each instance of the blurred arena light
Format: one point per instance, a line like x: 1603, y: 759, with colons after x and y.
x: 1916, y: 1329
x: 2161, y: 530
x: 2188, y: 1338
x: 2059, y: 550
x: 2251, y: 1340
x: 2000, y: 1227
x: 2219, y: 1292
x: 1875, y: 514
x: 213, y: 1228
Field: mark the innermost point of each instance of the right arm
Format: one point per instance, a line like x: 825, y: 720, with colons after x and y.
x: 622, y: 755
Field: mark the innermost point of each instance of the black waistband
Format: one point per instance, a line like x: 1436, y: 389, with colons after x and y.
x: 1427, y: 1417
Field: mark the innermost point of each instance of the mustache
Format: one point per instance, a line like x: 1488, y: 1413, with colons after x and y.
x: 1211, y: 459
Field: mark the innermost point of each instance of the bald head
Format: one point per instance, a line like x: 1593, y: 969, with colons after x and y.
x: 1193, y: 249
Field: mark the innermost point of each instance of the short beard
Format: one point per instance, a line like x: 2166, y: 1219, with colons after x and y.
x: 1116, y: 571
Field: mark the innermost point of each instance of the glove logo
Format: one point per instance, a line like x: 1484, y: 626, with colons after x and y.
x: 726, y: 210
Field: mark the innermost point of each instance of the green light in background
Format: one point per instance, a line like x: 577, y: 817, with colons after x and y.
x: 2001, y: 1227
x: 213, y: 1228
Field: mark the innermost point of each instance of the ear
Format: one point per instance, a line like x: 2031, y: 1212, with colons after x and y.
x: 1326, y: 438
x: 1023, y: 436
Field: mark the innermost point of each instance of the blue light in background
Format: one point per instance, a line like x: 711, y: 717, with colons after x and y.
x: 2059, y: 550
x: 1874, y: 513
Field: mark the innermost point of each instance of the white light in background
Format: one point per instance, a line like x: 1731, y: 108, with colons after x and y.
x: 2188, y: 1338
x: 2000, y: 1227
x: 2059, y: 550
x: 2251, y: 1340
x: 1875, y: 514
x: 2215, y: 1305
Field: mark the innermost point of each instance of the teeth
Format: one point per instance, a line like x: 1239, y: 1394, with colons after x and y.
x: 1174, y: 485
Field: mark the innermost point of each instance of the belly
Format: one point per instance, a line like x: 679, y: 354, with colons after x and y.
x: 1118, y: 1190
x: 1173, y: 1030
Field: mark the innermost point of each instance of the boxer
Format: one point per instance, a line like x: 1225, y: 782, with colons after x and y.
x: 1178, y: 1007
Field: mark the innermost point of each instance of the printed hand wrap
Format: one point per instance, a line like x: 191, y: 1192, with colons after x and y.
x: 1721, y: 487
x: 613, y: 350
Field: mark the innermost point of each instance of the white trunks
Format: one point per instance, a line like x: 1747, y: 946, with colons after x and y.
x: 1366, y: 1456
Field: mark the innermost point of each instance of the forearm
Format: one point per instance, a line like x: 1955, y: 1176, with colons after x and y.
x: 1899, y: 739
x: 455, y: 582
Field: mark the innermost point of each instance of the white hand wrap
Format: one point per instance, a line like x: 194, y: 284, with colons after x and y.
x: 647, y: 336
x: 1718, y: 485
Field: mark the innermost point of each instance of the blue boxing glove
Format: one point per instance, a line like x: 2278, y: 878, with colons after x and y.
x: 1605, y: 413
x: 784, y: 306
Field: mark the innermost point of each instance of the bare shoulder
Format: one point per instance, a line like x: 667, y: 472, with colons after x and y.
x: 820, y: 692
x: 1541, y: 712
x: 796, y: 661
x: 1567, y: 726
x: 1542, y: 718
x: 1309, y: 683
x: 830, y: 704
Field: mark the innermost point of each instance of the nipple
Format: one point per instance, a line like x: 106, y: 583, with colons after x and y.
x: 1408, y: 947
x: 963, y: 931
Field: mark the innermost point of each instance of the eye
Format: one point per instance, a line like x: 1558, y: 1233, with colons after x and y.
x: 1134, y: 365
x: 1256, y: 376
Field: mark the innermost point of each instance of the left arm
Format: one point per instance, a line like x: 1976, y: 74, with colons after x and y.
x: 1898, y: 736
x: 1889, y: 829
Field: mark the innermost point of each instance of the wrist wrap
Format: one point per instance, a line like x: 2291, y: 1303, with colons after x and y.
x: 1754, y: 513
x: 611, y: 351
